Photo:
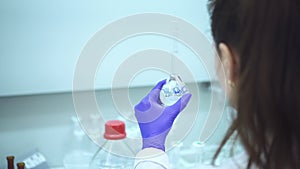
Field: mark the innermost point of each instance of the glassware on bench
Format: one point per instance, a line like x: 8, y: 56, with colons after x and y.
x: 106, y: 156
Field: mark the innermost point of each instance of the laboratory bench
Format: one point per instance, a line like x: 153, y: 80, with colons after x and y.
x: 43, y: 123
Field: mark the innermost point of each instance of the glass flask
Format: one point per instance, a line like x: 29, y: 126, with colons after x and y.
x: 173, y: 90
x: 198, y: 147
x: 79, y: 155
x: 174, y: 155
x: 107, y: 156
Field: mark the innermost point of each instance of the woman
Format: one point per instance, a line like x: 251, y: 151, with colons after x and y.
x: 258, y: 43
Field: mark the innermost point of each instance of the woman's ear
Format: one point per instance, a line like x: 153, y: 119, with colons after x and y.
x: 229, y: 62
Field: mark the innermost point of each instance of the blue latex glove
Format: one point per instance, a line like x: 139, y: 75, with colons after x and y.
x: 155, y: 120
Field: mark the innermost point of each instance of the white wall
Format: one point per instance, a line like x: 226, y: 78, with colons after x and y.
x: 41, y: 40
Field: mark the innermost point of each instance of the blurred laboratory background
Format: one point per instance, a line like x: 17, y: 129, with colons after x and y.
x: 41, y: 41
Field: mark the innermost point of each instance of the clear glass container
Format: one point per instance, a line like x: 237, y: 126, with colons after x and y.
x: 105, y: 159
x: 198, y: 147
x: 107, y: 156
x: 174, y: 155
x: 173, y: 90
x: 79, y: 155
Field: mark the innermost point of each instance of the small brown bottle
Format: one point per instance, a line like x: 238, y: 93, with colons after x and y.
x: 10, y: 162
x: 21, y: 165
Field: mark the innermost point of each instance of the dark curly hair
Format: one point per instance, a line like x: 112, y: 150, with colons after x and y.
x: 265, y: 34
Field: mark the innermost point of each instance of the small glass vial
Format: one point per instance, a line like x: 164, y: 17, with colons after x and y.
x: 21, y: 165
x: 106, y: 156
x: 10, y: 162
x: 173, y: 90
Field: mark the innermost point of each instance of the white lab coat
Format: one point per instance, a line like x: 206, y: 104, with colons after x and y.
x: 152, y: 158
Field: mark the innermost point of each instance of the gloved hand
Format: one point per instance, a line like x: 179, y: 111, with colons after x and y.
x: 155, y: 120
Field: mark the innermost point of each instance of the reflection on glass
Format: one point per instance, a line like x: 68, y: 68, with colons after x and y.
x: 173, y: 90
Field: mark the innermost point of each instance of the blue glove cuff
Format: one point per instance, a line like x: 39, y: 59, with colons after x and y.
x: 154, y: 142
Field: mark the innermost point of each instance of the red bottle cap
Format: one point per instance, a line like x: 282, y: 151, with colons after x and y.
x: 114, y: 130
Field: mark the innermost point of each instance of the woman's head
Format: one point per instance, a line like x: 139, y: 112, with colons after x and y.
x: 259, y: 46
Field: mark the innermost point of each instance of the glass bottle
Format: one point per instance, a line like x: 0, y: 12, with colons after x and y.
x: 79, y: 155
x: 21, y: 165
x: 175, y: 155
x: 10, y: 162
x: 115, y: 152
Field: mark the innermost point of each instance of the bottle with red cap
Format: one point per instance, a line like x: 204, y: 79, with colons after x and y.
x: 115, y: 153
